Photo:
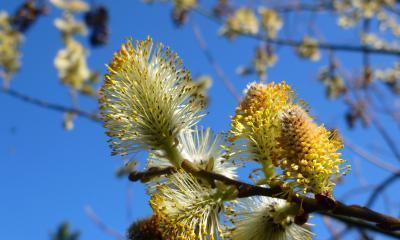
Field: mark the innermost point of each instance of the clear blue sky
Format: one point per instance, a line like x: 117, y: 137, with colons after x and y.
x: 48, y: 175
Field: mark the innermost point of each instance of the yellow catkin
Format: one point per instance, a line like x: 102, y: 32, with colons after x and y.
x: 257, y: 123
x: 311, y: 161
x: 275, y: 131
x: 270, y: 21
x: 189, y: 210
x: 147, y: 99
x: 242, y: 21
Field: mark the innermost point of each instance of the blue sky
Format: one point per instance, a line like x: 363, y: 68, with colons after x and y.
x: 48, y: 175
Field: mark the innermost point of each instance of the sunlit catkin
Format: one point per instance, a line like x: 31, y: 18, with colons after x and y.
x: 310, y: 161
x: 190, y: 209
x: 267, y: 218
x: 256, y: 122
x: 147, y: 99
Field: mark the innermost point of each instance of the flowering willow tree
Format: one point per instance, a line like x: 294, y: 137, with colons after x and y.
x: 150, y: 103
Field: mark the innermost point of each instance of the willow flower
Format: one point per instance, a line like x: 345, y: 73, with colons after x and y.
x: 309, y: 49
x: 72, y: 66
x: 69, y: 26
x: 10, y: 42
x: 203, y: 148
x: 264, y: 57
x: 242, y: 21
x: 256, y: 122
x: 311, y: 161
x: 71, y: 5
x: 190, y: 208
x: 270, y: 21
x: 185, y: 4
x: 148, y: 99
x: 266, y: 218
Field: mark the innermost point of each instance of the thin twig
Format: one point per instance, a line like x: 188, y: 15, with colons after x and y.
x: 381, y: 187
x: 343, y: 233
x: 129, y: 197
x: 210, y: 58
x: 370, y: 158
x: 356, y: 166
x: 303, y: 7
x: 362, y: 224
x: 331, y: 227
x: 386, y: 136
x: 49, y: 105
x: 104, y: 227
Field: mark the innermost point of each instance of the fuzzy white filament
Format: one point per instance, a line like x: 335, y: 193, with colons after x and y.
x: 147, y: 99
x: 262, y: 218
x: 190, y: 209
x: 204, y: 148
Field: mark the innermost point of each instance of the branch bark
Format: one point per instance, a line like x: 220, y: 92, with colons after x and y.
x: 354, y: 215
x: 52, y: 106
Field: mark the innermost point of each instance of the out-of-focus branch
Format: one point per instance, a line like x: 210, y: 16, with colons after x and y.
x: 388, y: 139
x: 361, y: 224
x: 370, y: 158
x: 210, y: 58
x: 349, y: 214
x: 49, y: 105
x: 296, y: 43
x: 104, y: 227
x: 331, y: 227
x: 384, y: 108
x: 149, y: 174
x: 304, y: 7
x: 381, y: 187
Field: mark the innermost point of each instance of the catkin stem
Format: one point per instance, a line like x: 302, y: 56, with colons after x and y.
x: 172, y: 153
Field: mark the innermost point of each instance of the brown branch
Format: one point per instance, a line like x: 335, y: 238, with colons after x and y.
x: 49, y: 105
x: 350, y: 214
x: 149, y: 174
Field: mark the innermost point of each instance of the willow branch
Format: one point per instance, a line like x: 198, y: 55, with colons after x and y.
x: 296, y: 43
x: 382, y: 186
x: 52, y: 106
x: 350, y: 214
x: 149, y: 174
